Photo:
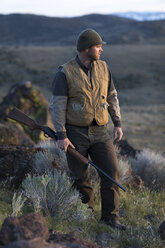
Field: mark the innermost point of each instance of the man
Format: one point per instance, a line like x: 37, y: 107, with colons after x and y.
x: 83, y: 95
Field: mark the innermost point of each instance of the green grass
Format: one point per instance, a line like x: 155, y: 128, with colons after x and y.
x: 5, y: 204
x: 142, y: 212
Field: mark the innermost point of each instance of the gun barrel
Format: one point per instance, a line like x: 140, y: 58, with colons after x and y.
x: 105, y: 174
x: 87, y: 161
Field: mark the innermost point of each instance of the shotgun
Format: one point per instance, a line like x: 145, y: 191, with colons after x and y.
x: 17, y: 115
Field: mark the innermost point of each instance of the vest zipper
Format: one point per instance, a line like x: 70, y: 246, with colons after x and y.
x: 93, y: 103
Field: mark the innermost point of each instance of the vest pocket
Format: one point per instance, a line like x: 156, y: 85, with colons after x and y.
x: 78, y: 104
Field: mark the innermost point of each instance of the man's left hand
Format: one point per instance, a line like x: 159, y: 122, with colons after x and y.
x: 117, y: 134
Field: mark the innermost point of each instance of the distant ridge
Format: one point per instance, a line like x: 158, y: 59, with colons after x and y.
x: 142, y: 16
x: 28, y: 29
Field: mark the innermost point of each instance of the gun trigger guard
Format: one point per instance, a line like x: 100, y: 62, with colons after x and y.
x: 46, y: 135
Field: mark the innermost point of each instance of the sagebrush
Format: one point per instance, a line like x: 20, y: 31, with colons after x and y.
x: 53, y: 194
x: 150, y: 166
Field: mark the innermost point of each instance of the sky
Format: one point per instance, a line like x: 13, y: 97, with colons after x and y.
x: 68, y: 8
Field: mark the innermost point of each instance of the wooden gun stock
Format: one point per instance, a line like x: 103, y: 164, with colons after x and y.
x: 17, y: 115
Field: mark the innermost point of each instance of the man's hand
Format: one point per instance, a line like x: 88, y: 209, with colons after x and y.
x: 63, y: 144
x: 117, y: 134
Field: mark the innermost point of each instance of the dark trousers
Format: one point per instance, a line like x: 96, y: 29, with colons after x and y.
x: 96, y: 142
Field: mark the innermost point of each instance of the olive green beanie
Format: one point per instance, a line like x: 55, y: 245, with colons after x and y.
x: 88, y: 38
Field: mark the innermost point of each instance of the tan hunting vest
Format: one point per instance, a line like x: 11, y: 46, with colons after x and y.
x: 87, y: 97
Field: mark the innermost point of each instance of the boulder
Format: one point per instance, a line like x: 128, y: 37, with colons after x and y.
x: 26, y: 227
x: 12, y: 134
x: 33, y: 243
x: 31, y: 231
x: 31, y: 101
x: 15, y: 163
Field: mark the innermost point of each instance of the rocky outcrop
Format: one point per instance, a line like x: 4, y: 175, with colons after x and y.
x: 12, y: 134
x: 41, y: 243
x: 15, y: 163
x: 31, y: 101
x: 31, y: 232
x: 32, y: 243
x: 25, y: 227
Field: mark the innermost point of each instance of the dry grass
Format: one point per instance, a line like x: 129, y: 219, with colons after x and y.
x: 39, y: 64
x: 144, y: 127
x: 139, y: 66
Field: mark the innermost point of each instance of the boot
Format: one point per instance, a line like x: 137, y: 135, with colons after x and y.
x: 113, y: 222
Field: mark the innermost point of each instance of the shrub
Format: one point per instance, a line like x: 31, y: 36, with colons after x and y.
x: 53, y: 193
x: 150, y: 166
x: 50, y: 189
x: 43, y: 160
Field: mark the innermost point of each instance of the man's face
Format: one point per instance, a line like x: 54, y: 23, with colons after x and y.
x: 94, y: 52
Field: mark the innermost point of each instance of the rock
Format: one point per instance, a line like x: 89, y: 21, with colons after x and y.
x: 32, y: 102
x: 26, y: 227
x: 12, y: 134
x: 33, y: 243
x: 126, y: 149
x: 15, y: 163
x: 161, y: 230
x: 56, y: 241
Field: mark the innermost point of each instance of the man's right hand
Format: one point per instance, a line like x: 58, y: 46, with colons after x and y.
x: 63, y: 144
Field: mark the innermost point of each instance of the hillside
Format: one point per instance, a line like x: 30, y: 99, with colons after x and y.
x: 134, y: 68
x: 138, y: 72
x: 27, y: 29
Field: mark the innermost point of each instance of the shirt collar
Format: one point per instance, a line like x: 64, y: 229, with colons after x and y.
x: 81, y: 64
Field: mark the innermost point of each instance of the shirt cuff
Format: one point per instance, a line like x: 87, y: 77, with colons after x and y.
x: 61, y: 135
x: 117, y: 123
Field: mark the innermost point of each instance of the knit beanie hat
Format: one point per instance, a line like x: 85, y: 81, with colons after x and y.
x: 88, y: 38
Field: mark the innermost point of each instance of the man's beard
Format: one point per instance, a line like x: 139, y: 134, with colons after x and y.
x: 93, y: 57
